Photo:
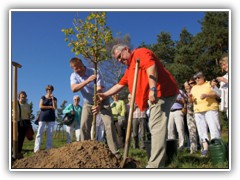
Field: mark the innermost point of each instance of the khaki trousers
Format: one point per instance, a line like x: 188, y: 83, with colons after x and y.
x: 106, y: 115
x: 158, y: 122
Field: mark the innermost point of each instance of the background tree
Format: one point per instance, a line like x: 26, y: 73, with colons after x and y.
x: 32, y: 117
x: 112, y: 69
x: 148, y: 46
x: 183, y: 48
x: 60, y: 114
x: 211, y: 43
x: 184, y: 57
x: 196, y: 53
x: 89, y: 38
x: 164, y: 48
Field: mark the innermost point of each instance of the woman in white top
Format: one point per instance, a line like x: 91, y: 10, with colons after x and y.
x: 224, y: 84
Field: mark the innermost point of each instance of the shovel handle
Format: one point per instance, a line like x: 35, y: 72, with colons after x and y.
x: 127, y: 141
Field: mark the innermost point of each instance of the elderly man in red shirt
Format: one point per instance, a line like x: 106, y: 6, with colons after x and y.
x: 156, y: 89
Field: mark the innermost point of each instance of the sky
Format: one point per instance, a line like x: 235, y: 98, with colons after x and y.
x: 37, y: 43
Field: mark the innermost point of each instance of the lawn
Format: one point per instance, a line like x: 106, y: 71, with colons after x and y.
x: 183, y: 159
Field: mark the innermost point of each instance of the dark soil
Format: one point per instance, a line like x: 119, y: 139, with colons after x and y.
x: 87, y: 154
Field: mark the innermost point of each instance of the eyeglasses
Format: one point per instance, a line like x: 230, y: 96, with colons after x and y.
x: 49, y: 89
x: 119, y: 57
x: 76, y: 99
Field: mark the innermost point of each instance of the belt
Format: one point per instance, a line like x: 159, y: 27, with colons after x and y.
x: 172, y: 110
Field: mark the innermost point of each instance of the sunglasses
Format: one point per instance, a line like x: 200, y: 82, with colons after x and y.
x: 49, y: 89
x: 192, y: 83
x: 198, y: 77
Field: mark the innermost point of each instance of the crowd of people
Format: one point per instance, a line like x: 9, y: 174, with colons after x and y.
x: 161, y: 109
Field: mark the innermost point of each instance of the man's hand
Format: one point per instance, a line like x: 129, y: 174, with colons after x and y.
x: 152, y: 97
x: 203, y: 96
x: 95, y: 109
x: 101, y: 96
x: 190, y: 98
x: 222, y: 79
x: 91, y: 78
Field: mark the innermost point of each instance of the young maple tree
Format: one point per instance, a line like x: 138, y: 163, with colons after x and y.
x: 89, y: 38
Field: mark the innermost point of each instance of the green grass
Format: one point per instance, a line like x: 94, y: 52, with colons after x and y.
x: 59, y: 140
x: 183, y: 160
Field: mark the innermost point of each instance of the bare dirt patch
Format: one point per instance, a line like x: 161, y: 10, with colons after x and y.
x: 87, y: 154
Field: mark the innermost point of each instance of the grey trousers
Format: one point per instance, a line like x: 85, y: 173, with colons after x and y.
x: 138, y: 128
x: 106, y: 115
x: 158, y: 122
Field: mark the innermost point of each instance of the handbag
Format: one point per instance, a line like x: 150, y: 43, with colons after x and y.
x: 29, y: 132
x: 69, y: 118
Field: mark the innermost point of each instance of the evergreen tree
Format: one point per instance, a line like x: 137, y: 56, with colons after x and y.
x: 32, y: 117
x: 148, y: 46
x: 211, y: 43
x: 183, y: 50
x: 59, y: 117
x: 164, y: 48
x: 182, y: 68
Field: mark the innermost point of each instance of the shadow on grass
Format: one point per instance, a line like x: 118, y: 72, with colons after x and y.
x: 186, y: 160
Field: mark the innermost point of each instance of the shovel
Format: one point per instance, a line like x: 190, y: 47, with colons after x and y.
x: 129, y: 125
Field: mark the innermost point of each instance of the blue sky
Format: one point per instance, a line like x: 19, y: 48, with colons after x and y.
x: 37, y: 43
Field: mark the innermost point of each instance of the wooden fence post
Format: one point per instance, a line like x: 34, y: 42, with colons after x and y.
x: 15, y: 112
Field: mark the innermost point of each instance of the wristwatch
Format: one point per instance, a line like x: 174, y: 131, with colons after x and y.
x: 153, y: 89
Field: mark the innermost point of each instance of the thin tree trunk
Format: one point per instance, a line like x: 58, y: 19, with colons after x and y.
x: 95, y: 103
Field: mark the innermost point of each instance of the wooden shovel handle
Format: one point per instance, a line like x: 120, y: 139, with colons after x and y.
x: 127, y: 141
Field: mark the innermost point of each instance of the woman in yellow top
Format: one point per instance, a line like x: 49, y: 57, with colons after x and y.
x: 205, y: 110
x: 118, y: 111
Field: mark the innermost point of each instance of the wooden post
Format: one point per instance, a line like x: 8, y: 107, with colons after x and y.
x: 15, y: 112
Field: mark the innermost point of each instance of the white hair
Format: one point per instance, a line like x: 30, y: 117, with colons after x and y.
x: 119, y: 47
x: 76, y: 96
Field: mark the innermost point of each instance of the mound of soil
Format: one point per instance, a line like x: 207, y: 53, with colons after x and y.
x: 86, y: 154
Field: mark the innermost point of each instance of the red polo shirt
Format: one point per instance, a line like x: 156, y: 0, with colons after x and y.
x: 166, y: 84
